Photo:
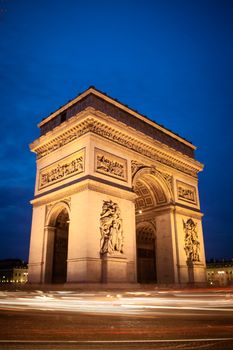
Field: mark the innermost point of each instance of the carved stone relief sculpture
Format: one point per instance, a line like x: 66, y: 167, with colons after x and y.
x: 135, y: 166
x: 111, y: 165
x: 167, y: 177
x: 61, y: 170
x: 111, y: 240
x: 186, y: 192
x: 120, y: 138
x: 191, y: 242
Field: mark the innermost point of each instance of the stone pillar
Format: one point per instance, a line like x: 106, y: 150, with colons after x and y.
x: 80, y: 222
x: 36, y: 261
x: 86, y: 262
x: 196, y: 273
x: 191, y: 262
x: 166, y: 259
x: 114, y: 268
x: 49, y: 233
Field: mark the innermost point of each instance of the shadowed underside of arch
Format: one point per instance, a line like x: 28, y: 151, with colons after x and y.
x: 57, y: 243
x: 149, y: 193
x: 146, y: 253
x: 59, y: 271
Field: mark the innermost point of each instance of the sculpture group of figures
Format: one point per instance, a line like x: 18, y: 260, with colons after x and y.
x: 61, y: 171
x: 108, y: 166
x: 185, y: 193
x: 192, y: 245
x: 111, y: 228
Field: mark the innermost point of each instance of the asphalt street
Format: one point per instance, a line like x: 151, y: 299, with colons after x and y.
x: 152, y: 319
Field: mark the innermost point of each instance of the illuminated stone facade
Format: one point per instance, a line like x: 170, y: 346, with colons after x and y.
x: 116, y: 198
x: 13, y: 271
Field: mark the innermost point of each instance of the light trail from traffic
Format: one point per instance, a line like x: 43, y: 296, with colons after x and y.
x: 144, y: 303
x: 97, y: 320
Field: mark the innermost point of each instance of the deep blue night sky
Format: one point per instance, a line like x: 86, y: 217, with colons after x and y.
x: 170, y: 60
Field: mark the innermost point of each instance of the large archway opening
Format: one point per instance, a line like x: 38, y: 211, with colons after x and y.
x: 60, y: 248
x: 151, y: 199
x: 146, y: 254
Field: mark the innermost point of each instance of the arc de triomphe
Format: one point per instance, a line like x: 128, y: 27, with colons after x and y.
x: 116, y: 198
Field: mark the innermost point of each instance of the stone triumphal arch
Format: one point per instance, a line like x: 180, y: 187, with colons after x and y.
x: 116, y: 198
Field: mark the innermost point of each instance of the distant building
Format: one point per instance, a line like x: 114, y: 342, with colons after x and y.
x: 220, y: 272
x: 13, y: 271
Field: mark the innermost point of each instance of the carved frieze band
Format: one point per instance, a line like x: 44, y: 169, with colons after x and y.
x: 108, y: 164
x: 186, y: 193
x: 91, y: 125
x: 63, y: 169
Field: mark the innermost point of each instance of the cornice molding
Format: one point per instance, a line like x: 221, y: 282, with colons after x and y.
x: 98, y: 123
x: 61, y: 135
x: 188, y: 211
x: 120, y: 106
x: 92, y: 185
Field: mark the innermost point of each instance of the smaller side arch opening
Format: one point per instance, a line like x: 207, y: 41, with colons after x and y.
x: 60, y: 248
x: 57, y: 245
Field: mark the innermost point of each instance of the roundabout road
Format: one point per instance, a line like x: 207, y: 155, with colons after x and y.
x: 148, y: 319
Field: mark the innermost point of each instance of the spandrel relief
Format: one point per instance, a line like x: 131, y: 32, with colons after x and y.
x: 111, y: 230
x: 191, y: 242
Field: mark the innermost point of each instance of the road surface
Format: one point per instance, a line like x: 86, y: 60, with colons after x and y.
x: 153, y: 319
